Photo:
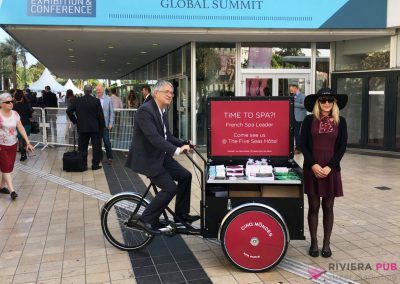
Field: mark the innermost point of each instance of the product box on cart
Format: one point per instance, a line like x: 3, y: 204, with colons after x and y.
x: 250, y: 161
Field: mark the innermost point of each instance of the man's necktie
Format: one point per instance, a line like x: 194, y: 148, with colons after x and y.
x: 164, y: 119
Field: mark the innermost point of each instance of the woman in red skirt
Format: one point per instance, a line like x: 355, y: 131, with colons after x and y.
x: 9, y: 123
x: 324, y: 141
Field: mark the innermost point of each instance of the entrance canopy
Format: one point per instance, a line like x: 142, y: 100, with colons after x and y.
x: 47, y: 80
x: 110, y: 39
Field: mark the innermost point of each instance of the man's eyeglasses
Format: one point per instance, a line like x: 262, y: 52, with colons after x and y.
x: 8, y: 102
x: 324, y: 100
x: 167, y: 92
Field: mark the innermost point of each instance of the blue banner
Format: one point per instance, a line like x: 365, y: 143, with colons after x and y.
x: 285, y: 14
x: 62, y: 8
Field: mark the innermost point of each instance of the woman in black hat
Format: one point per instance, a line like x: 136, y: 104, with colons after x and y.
x: 324, y: 140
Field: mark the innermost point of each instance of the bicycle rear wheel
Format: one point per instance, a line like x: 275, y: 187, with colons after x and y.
x: 114, y: 222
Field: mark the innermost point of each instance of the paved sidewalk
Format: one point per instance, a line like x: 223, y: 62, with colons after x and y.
x: 52, y: 234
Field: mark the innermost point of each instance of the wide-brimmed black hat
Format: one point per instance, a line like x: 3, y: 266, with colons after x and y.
x: 309, y: 101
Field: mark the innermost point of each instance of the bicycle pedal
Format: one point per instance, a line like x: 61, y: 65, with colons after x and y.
x: 189, y: 231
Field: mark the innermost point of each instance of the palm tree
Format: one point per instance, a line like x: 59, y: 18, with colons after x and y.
x: 13, y: 50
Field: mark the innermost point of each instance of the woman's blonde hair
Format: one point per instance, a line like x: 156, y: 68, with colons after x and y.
x: 334, y: 111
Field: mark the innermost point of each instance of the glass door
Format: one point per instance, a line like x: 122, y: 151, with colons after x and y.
x: 373, y: 110
x: 183, y: 109
x: 376, y: 111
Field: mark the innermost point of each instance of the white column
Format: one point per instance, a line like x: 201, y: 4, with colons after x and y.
x: 193, y: 91
x: 313, y: 67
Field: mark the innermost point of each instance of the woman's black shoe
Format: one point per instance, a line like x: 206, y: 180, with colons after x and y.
x: 326, y: 253
x: 313, y: 253
x: 13, y: 195
x: 4, y: 190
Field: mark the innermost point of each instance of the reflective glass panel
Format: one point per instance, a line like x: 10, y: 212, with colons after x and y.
x: 276, y: 56
x: 376, y: 121
x: 352, y: 112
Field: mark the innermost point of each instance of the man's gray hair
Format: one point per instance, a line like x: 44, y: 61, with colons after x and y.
x: 161, y: 85
x: 87, y: 89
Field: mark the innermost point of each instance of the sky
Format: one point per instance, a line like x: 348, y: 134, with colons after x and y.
x: 4, y: 36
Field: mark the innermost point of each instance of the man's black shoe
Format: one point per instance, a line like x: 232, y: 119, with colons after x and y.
x: 187, y: 218
x: 155, y: 229
x: 96, y: 167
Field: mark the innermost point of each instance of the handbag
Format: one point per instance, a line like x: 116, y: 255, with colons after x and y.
x: 35, y: 129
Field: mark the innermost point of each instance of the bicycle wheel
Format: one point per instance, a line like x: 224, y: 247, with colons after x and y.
x: 114, y: 216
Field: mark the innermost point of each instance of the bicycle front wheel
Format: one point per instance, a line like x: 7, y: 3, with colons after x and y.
x: 114, y: 222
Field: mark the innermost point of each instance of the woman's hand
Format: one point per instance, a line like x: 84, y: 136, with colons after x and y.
x: 30, y: 148
x: 318, y: 171
x: 327, y: 170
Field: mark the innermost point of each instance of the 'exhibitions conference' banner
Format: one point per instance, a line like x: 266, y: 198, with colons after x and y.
x: 250, y: 128
x: 294, y: 14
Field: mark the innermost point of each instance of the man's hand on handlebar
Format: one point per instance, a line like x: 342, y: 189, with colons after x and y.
x: 186, y: 148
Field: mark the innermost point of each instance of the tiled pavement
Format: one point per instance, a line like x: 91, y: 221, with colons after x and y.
x: 52, y: 234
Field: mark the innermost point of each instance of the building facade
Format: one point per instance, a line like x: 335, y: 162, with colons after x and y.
x: 209, y: 48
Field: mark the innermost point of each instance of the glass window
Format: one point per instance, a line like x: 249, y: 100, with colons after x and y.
x: 363, y: 54
x: 153, y: 70
x: 398, y: 50
x: 352, y: 112
x: 188, y: 61
x: 398, y: 115
x: 376, y: 121
x: 322, y: 66
x: 175, y: 63
x: 276, y: 56
x: 215, y: 69
x: 163, y: 67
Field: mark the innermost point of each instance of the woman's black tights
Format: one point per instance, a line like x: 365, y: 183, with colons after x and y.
x: 313, y: 209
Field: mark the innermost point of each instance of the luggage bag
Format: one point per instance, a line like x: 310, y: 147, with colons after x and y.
x: 74, y: 161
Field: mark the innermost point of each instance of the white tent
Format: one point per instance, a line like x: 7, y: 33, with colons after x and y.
x: 70, y: 85
x: 46, y: 80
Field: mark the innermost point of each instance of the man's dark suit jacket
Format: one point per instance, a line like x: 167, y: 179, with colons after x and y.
x: 148, y: 98
x: 50, y: 100
x: 148, y: 146
x: 87, y: 113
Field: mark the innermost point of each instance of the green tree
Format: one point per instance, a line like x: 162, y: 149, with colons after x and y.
x: 35, y: 71
x: 278, y: 55
x: 13, y: 50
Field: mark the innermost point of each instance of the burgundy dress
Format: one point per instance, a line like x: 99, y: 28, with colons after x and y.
x: 323, y: 151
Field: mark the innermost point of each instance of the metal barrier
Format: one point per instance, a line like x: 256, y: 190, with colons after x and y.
x: 38, y: 116
x: 57, y: 129
x: 122, y: 132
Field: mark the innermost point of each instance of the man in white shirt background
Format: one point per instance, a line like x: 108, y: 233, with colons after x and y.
x: 109, y: 118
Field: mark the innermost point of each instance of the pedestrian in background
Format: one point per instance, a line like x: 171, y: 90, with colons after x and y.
x: 9, y: 123
x: 146, y: 92
x: 87, y: 114
x: 31, y: 98
x: 324, y: 140
x: 299, y: 114
x: 109, y: 117
x: 25, y: 111
x: 116, y: 100
x: 133, y: 101
x: 69, y: 98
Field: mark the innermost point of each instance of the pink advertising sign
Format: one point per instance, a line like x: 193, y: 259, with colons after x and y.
x: 250, y: 128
